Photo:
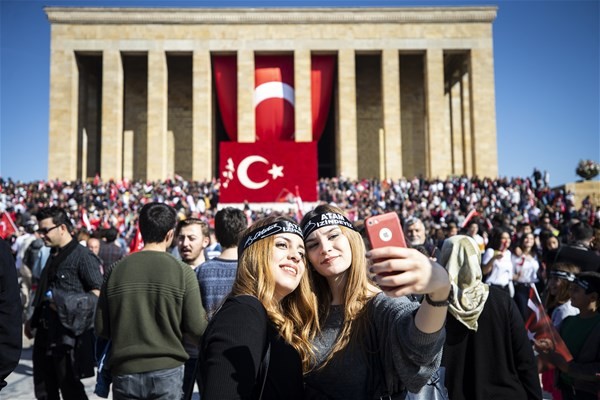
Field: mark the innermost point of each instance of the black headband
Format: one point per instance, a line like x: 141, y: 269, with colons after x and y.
x: 588, y: 285
x: 325, y: 219
x: 563, y: 275
x: 266, y: 231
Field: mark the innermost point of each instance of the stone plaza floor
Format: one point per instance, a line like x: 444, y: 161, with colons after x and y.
x: 20, y: 382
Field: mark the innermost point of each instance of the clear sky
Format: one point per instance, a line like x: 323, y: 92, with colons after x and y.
x: 547, y: 68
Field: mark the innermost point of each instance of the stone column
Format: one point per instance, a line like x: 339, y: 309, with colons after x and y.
x: 128, y: 150
x: 458, y: 166
x: 484, y: 112
x: 157, y: 115
x: 202, y: 126
x: 302, y: 95
x: 170, y: 154
x: 465, y: 87
x: 111, y: 154
x: 245, y: 97
x: 64, y: 92
x: 437, y: 142
x: 392, y: 135
x: 347, y: 146
x: 84, y: 153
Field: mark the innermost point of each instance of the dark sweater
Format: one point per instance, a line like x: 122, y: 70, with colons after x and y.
x: 233, y: 348
x: 147, y: 303
x: 497, y: 361
x: 399, y: 355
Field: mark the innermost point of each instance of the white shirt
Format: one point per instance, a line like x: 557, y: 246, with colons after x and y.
x: 502, y: 268
x: 526, y: 267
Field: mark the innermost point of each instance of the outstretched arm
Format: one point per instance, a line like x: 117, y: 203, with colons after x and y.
x: 401, y: 271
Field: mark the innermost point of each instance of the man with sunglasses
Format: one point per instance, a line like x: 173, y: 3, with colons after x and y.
x: 63, y: 352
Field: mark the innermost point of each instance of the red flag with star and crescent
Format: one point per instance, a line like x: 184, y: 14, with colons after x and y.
x: 7, y: 226
x: 258, y: 172
x: 540, y: 328
x: 137, y: 243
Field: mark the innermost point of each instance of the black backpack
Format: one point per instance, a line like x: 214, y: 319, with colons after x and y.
x: 32, y: 253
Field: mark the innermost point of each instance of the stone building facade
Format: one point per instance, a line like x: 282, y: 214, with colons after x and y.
x: 132, y: 92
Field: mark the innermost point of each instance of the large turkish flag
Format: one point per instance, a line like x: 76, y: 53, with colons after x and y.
x: 261, y: 172
x: 274, y: 98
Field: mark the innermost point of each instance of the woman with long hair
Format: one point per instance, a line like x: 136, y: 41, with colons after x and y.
x: 496, y: 261
x: 258, y: 342
x: 525, y: 270
x: 373, y: 341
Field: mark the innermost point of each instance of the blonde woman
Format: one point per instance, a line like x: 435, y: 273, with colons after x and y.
x: 373, y: 341
x: 258, y: 342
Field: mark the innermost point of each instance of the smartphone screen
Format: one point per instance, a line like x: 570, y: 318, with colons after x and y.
x: 385, y: 230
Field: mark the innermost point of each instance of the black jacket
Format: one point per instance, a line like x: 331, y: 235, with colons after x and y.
x: 10, y: 314
x: 497, y: 361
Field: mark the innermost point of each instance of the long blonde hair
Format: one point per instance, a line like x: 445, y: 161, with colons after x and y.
x: 357, y: 292
x: 296, y: 315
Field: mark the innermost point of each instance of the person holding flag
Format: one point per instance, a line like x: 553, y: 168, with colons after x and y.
x: 579, y: 378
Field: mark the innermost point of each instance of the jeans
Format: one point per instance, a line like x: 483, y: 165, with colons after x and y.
x: 164, y: 384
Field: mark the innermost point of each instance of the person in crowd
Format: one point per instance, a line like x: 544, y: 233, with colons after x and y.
x: 473, y: 231
x: 216, y: 276
x: 192, y: 238
x: 110, y: 251
x: 525, y: 271
x: 552, y: 242
x: 579, y: 378
x: 214, y: 248
x: 60, y: 356
x: 149, y: 301
x: 258, y: 343
x: 546, y: 224
x: 487, y: 353
x: 416, y: 237
x: 93, y: 243
x: 20, y: 247
x: 11, y: 338
x: 546, y: 243
x: 382, y: 341
x: 558, y: 298
x: 82, y: 235
x: 578, y: 249
x: 557, y: 304
x: 496, y: 262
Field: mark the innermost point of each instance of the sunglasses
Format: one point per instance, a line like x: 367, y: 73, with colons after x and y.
x: 45, y: 231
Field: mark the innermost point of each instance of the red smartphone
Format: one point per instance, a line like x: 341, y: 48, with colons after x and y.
x: 385, y: 230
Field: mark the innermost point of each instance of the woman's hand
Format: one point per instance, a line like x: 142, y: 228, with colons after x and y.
x: 402, y: 271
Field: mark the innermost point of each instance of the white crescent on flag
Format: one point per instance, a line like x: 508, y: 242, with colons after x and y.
x: 242, y: 172
x: 270, y: 90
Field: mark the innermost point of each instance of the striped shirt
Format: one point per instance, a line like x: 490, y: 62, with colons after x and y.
x: 216, y: 278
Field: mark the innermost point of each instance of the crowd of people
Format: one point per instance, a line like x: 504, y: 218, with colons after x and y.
x: 438, y: 203
x: 302, y: 281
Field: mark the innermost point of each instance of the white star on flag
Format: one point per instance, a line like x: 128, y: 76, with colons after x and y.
x: 276, y: 171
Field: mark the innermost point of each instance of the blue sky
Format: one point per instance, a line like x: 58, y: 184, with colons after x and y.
x: 547, y: 63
